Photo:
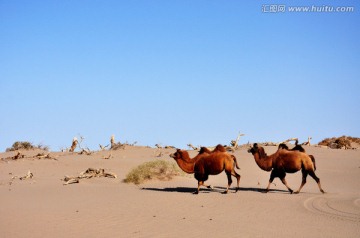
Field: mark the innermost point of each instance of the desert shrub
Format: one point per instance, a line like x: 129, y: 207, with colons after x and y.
x: 43, y: 147
x: 159, y: 169
x: 117, y: 146
x: 25, y: 145
x: 339, y: 142
x: 21, y: 145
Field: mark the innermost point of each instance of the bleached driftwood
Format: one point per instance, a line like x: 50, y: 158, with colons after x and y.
x: 86, y: 151
x: 74, y: 144
x: 112, y: 141
x: 44, y: 156
x: 29, y: 175
x: 89, y: 173
x: 290, y: 139
x: 235, y: 143
x: 308, y: 142
x: 103, y: 147
x: 193, y: 147
x: 15, y: 157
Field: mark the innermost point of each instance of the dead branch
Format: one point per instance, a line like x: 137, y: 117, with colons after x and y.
x: 290, y: 139
x: 107, y: 157
x: 29, y: 175
x: 103, y: 147
x: 308, y: 142
x: 86, y: 151
x: 44, y: 156
x: 74, y: 144
x: 193, y: 147
x: 112, y: 141
x: 158, y: 146
x: 87, y: 174
x: 15, y: 157
x: 235, y: 143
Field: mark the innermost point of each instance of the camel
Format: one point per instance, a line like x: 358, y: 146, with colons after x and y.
x: 298, y: 148
x: 206, y: 164
x: 282, y: 162
x: 218, y: 148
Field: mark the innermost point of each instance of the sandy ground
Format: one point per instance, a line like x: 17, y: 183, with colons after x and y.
x: 105, y: 207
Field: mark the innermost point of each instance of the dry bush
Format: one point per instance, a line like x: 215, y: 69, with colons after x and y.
x: 339, y: 142
x: 117, y: 146
x: 159, y: 169
x: 25, y: 145
x: 21, y: 145
x: 43, y: 147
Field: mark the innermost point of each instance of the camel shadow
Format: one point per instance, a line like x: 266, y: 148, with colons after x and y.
x: 177, y: 189
x: 215, y: 189
x: 259, y: 190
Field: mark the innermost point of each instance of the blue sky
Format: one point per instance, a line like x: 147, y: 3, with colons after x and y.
x: 176, y: 72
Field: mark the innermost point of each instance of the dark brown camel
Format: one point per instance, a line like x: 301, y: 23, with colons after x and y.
x: 282, y: 162
x: 207, y: 164
x: 297, y: 147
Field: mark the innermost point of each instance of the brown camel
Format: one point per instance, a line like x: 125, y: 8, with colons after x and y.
x: 207, y: 164
x: 282, y: 162
x: 297, y: 147
x: 218, y: 148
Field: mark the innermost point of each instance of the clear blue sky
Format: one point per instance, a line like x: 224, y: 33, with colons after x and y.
x: 176, y: 72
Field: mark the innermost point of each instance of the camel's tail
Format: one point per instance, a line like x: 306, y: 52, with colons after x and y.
x: 235, y: 161
x: 313, y: 160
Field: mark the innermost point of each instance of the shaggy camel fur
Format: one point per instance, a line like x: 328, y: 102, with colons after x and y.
x: 282, y: 162
x: 297, y: 147
x: 207, y: 164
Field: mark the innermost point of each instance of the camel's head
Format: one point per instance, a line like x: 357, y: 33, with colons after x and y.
x: 177, y: 154
x: 254, y: 149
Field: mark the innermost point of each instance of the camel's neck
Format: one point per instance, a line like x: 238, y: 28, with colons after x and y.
x: 263, y: 161
x: 186, y: 166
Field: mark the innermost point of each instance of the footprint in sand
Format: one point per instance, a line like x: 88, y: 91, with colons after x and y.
x: 344, y: 208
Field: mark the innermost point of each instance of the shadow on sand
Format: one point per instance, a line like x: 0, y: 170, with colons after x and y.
x: 215, y: 189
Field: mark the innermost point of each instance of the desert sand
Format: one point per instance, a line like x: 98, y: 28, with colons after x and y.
x: 42, y: 206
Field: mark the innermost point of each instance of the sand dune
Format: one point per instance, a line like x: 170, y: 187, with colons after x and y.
x: 105, y: 207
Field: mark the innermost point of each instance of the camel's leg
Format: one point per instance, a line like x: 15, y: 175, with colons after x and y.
x: 312, y: 174
x: 207, y: 186
x: 273, y: 175
x: 304, y: 175
x: 237, y: 176
x: 229, y: 182
x: 201, y: 183
x: 198, y: 188
x: 285, y: 183
x: 282, y: 175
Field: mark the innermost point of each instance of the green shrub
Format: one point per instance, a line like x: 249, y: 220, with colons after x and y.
x: 159, y: 169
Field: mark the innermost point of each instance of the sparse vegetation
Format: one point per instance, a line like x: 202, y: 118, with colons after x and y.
x: 25, y: 145
x: 159, y: 169
x: 340, y: 142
